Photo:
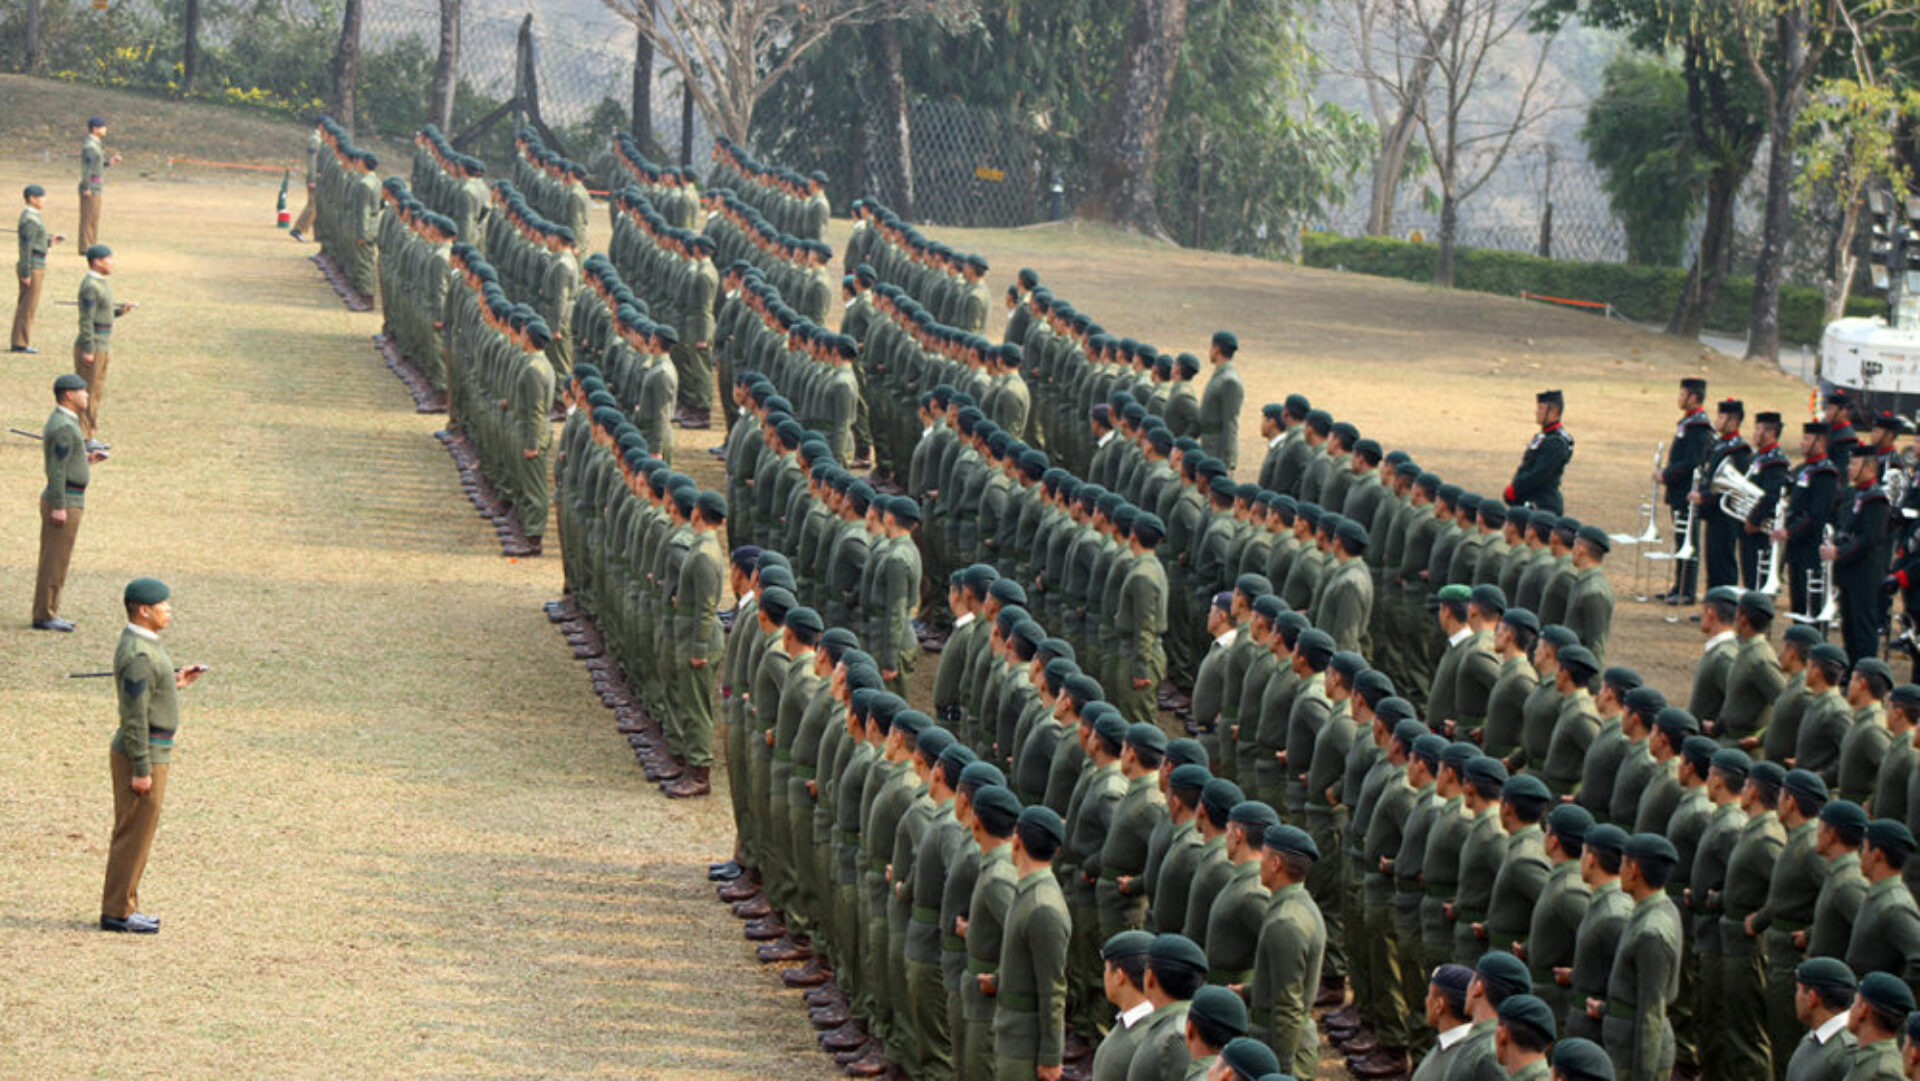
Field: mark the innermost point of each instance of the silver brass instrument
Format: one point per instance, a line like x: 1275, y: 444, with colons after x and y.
x: 1768, y: 565
x: 1738, y: 495
x: 1650, y: 510
x: 1820, y: 591
x: 1896, y: 483
x: 1685, y: 521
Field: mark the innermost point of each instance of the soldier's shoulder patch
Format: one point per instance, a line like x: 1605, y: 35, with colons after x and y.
x: 134, y: 687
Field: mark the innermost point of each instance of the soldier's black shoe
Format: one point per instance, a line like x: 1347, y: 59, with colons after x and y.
x: 61, y: 625
x: 135, y: 924
x: 295, y: 234
x: 23, y: 349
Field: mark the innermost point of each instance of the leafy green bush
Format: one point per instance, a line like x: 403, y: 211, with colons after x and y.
x: 1643, y: 294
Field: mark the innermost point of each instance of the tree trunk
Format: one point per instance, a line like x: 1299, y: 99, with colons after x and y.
x: 346, y: 67
x: 1797, y: 57
x: 897, y: 132
x: 1128, y: 149
x: 446, y: 66
x: 862, y: 184
x: 190, y: 58
x: 1710, y: 264
x: 30, y: 56
x: 686, y: 125
x: 1846, y: 260
x: 1398, y: 138
x: 1449, y: 224
x: 643, y: 87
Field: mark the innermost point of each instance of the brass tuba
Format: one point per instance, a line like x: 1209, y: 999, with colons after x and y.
x: 1738, y: 495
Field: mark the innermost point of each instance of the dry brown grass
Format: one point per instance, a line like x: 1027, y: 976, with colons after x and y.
x: 403, y: 839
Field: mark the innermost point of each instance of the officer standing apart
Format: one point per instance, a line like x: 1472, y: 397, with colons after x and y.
x: 147, y: 686
x: 62, y: 500
x: 1220, y: 405
x: 1536, y: 483
x: 31, y: 270
x: 94, y: 161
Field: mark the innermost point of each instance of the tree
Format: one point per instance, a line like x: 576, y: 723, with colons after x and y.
x: 190, y: 52
x: 731, y: 53
x: 30, y: 46
x: 642, y: 111
x: 446, y: 66
x: 1128, y: 147
x: 1636, y: 134
x: 1847, y: 148
x: 346, y: 66
x: 896, y: 128
x: 1394, y: 57
x: 1475, y: 112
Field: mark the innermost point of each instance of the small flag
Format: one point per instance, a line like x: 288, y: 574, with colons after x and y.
x: 284, y: 220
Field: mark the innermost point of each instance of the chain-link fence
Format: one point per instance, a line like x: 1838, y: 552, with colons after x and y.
x: 971, y: 167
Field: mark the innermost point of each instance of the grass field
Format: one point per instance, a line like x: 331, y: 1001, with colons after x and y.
x: 402, y: 838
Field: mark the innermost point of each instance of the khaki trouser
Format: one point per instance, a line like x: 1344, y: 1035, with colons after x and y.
x: 95, y: 373
x: 305, y: 221
x: 56, y: 552
x: 135, y: 818
x: 26, y: 306
x: 89, y: 221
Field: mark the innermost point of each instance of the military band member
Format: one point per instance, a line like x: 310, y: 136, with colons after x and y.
x: 1816, y: 485
x: 1859, y: 554
x: 1772, y: 472
x: 1692, y: 440
x: 1722, y: 535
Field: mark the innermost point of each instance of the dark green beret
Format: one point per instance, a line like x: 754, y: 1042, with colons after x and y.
x: 1253, y: 585
x: 1149, y: 522
x: 1802, y: 634
x: 1874, y: 666
x: 1652, y: 848
x: 1222, y: 795
x: 905, y: 508
x: 1559, y: 636
x: 1486, y: 769
x: 1530, y: 1012
x: 1171, y: 949
x: 1226, y: 340
x: 67, y: 381
x: 1828, y: 653
x: 712, y: 504
x: 146, y: 591
x: 1315, y: 644
x: 1887, y: 993
x: 1578, y: 660
x: 99, y: 251
x: 1826, y: 972
x: 1270, y: 606
x: 1255, y: 815
x: 1677, y: 723
x: 1188, y: 752
x: 1249, y: 1059
x: 1906, y: 694
x: 995, y: 805
x: 957, y: 755
x: 1526, y: 787
x: 1274, y: 410
x: 1570, y: 822
x: 1148, y: 736
x: 1579, y: 1059
x: 1353, y: 533
x: 1459, y: 753
x: 1489, y: 597
x: 1607, y: 837
x: 1699, y: 750
x: 1456, y: 592
x: 1891, y: 836
x: 931, y: 741
x: 1596, y: 536
x: 1522, y: 618
x: 982, y: 775
x: 1771, y: 774
x: 1806, y: 786
x: 912, y: 722
x: 1348, y: 663
x: 1219, y: 1008
x: 1431, y: 746
x: 1395, y: 708
x: 1046, y: 820
x: 1755, y: 601
x: 1109, y: 725
x: 1734, y: 762
x: 1645, y: 701
x: 1291, y: 839
x: 1373, y: 683
x: 1504, y: 974
x: 1847, y: 818
x: 1126, y: 944
x: 33, y: 191
x: 1407, y: 732
x: 1189, y: 775
x: 1724, y: 595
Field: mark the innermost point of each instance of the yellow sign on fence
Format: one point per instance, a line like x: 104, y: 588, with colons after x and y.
x: 994, y: 176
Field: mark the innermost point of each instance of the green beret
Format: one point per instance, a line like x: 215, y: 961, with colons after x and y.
x: 1557, y: 635
x: 1352, y: 532
x: 1891, y: 836
x: 1291, y: 839
x: 1522, y: 618
x: 995, y: 805
x: 99, y: 251
x: 1171, y: 949
x: 1046, y: 820
x: 1652, y: 848
x: 1770, y: 774
x: 1431, y: 747
x: 33, y: 191
x: 931, y: 741
x: 1148, y: 736
x: 1828, y: 653
x: 982, y: 775
x: 1734, y: 762
x: 1806, y: 786
x: 1887, y: 993
x: 1459, y: 753
x: 1315, y: 643
x: 912, y: 722
x: 1724, y: 595
x: 905, y: 508
x: 1189, y: 775
x: 1579, y: 1059
x: 1253, y: 585
x: 1677, y: 723
x: 1456, y: 592
x: 1874, y: 666
x: 1526, y: 1010
x: 1220, y: 1008
x: 1826, y: 972
x: 67, y: 381
x: 1258, y: 817
x: 1526, y: 787
x: 1489, y: 597
x: 1349, y: 664
x: 1803, y: 635
x: 1755, y: 601
x: 1249, y: 1059
x: 1596, y: 536
x: 1395, y: 708
x: 958, y: 755
x: 1373, y: 682
x: 1407, y: 731
x: 1487, y: 770
x: 804, y: 619
x: 1109, y: 725
x: 1579, y: 661
x: 1644, y: 701
x: 712, y: 504
x: 1503, y: 975
x: 1187, y: 751
x: 1607, y: 837
x: 1126, y: 944
x: 1847, y: 818
x: 1907, y: 695
x: 1223, y: 796
x: 1269, y: 606
x: 1226, y: 340
x: 1569, y: 821
x: 146, y: 591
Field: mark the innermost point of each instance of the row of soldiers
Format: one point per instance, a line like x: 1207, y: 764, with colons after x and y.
x: 795, y: 204
x: 672, y: 191
x: 451, y: 183
x: 347, y: 207
x: 951, y: 284
x: 415, y: 272
x: 539, y: 264
x: 555, y: 186
x: 640, y: 547
x: 631, y: 352
x: 673, y: 269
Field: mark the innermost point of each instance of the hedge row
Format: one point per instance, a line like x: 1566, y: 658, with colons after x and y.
x: 1643, y: 294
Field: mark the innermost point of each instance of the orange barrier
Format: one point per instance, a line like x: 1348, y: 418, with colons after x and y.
x: 171, y: 162
x: 1600, y: 304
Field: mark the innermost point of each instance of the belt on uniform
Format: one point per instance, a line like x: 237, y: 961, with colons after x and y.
x: 1789, y: 926
x: 981, y: 966
x: 76, y: 489
x: 160, y: 733
x: 953, y: 943
x: 1500, y: 940
x: 1441, y: 891
x: 1621, y: 1009
x: 1224, y: 976
x: 877, y: 866
x: 783, y: 754
x: 102, y: 328
x: 1407, y: 885
x: 1016, y: 1003
x: 923, y: 914
x: 1108, y: 874
x: 804, y: 773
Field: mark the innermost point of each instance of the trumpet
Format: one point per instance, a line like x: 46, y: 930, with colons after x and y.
x: 1820, y: 591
